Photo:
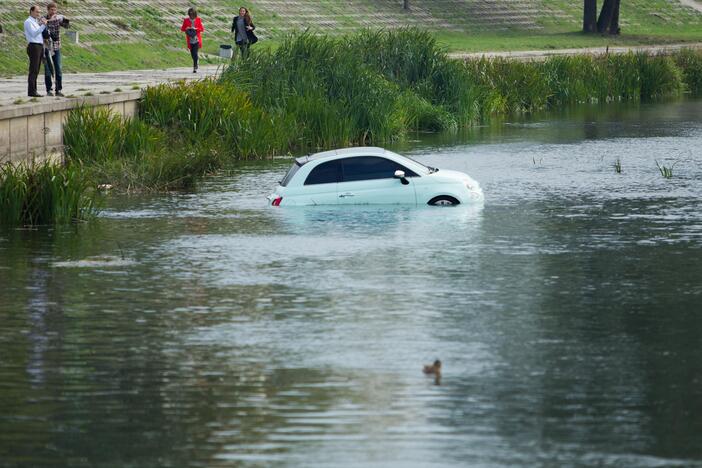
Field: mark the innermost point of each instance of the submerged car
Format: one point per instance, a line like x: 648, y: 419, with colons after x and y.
x: 366, y: 175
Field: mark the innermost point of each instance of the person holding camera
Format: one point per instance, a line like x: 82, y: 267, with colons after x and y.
x: 243, y: 29
x: 34, y: 27
x: 192, y: 27
x: 52, y: 48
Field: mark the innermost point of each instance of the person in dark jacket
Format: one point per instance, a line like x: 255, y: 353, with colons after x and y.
x: 52, y: 48
x: 193, y: 28
x: 243, y: 29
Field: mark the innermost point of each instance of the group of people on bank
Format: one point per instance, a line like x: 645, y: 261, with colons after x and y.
x: 43, y: 35
x: 44, y: 44
x: 242, y: 28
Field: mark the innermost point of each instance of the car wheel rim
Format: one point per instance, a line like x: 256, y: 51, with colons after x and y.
x: 443, y: 202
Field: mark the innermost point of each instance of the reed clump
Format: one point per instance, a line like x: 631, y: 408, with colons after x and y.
x: 666, y: 171
x: 376, y: 85
x: 95, y: 135
x: 690, y: 63
x: 209, y: 111
x: 131, y: 154
x: 46, y: 193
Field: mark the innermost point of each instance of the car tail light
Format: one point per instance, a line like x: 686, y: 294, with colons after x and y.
x: 276, y: 201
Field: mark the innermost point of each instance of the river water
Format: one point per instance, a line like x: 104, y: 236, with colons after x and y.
x: 207, y: 329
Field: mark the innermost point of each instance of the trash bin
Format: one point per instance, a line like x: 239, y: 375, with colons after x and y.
x: 72, y: 37
x: 225, y: 51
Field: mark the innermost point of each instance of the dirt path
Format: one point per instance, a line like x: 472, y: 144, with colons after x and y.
x: 543, y: 54
x: 14, y: 89
x: 692, y: 4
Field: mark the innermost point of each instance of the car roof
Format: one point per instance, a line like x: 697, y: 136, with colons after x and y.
x: 343, y: 153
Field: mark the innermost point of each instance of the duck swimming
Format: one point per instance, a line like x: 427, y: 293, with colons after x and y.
x: 433, y: 368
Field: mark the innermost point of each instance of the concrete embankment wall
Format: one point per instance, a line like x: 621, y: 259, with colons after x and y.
x: 33, y: 132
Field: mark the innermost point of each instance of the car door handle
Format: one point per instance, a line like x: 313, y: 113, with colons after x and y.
x: 346, y: 194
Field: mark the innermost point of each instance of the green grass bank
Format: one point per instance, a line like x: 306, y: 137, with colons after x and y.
x: 318, y: 92
x: 133, y: 34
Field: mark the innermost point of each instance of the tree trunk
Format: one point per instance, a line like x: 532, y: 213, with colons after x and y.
x: 406, y: 5
x: 614, y: 27
x: 590, y: 16
x: 608, y: 22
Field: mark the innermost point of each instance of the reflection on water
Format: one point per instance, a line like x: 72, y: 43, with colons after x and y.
x: 207, y: 329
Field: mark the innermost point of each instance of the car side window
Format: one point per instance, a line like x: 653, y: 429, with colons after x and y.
x: 325, y: 173
x: 370, y: 168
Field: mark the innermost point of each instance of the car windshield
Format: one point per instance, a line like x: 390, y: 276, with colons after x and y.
x: 290, y: 174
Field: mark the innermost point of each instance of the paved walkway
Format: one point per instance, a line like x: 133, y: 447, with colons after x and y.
x: 13, y: 91
x: 543, y: 54
x: 692, y: 4
x: 81, y: 84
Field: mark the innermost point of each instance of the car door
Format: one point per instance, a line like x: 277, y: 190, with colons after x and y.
x: 320, y: 186
x: 368, y: 180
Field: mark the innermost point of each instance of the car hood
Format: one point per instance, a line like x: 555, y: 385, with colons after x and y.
x: 448, y: 175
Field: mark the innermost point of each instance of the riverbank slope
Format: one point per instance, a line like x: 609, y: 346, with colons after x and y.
x: 140, y: 35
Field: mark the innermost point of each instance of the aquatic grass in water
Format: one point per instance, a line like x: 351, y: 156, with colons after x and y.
x: 618, y: 166
x: 46, y: 193
x: 133, y: 155
x: 331, y: 75
x: 666, y: 171
x: 420, y: 114
x: 160, y: 171
x: 97, y: 134
x: 659, y: 76
x: 690, y: 63
x: 361, y: 75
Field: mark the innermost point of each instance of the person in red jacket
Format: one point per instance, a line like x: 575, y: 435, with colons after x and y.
x: 192, y: 27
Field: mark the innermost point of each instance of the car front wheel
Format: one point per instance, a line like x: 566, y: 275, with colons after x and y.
x: 443, y: 200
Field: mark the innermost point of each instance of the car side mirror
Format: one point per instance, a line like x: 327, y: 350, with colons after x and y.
x: 401, y: 175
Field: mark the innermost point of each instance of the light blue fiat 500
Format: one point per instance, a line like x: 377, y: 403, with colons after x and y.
x: 366, y: 175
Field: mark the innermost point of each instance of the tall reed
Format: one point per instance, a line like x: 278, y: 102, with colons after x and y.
x: 690, y: 63
x: 382, y: 82
x: 195, y: 112
x: 97, y: 134
x: 46, y: 193
x: 132, y: 154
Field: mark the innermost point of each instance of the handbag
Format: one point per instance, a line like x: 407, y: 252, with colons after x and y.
x: 191, y: 31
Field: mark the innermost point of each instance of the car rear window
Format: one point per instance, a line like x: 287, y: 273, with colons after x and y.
x: 290, y: 174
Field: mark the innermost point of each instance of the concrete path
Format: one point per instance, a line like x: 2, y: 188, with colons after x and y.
x: 543, y: 54
x: 692, y: 4
x: 14, y: 90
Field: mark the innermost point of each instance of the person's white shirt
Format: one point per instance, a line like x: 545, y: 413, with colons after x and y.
x: 33, y: 30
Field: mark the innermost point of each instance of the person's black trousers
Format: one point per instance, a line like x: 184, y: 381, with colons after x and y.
x: 193, y: 52
x: 244, y: 48
x: 35, y: 53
